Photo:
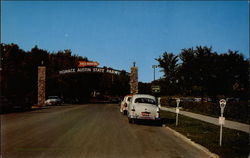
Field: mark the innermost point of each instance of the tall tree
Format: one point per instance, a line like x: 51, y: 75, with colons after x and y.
x: 169, y: 64
x: 203, y: 72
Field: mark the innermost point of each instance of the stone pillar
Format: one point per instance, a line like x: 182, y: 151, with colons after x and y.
x: 134, y: 80
x: 41, y: 85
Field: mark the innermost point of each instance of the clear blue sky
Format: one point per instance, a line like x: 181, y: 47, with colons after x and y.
x: 117, y: 33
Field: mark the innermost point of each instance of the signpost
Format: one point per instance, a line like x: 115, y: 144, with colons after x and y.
x: 155, y: 89
x: 221, y: 118
x: 177, y: 110
x: 154, y: 66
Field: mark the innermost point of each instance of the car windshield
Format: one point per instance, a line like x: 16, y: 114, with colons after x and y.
x: 129, y: 98
x: 145, y: 100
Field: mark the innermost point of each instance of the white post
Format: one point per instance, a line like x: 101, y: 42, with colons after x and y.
x: 221, y: 127
x: 176, y: 123
x: 220, y: 134
x: 222, y: 119
x: 177, y: 111
x: 159, y: 102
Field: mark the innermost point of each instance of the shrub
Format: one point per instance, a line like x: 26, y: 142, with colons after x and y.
x: 238, y: 111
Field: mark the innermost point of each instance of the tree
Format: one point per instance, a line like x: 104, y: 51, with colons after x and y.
x: 169, y: 64
x: 203, y: 72
x: 196, y: 69
x: 144, y: 88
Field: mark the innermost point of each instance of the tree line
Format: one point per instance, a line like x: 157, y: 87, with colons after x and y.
x: 200, y: 71
x: 19, y: 75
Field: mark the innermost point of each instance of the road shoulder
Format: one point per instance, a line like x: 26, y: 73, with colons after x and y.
x: 189, y: 141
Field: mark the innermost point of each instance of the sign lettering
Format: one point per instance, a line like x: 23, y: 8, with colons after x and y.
x: 98, y: 70
x: 88, y: 63
x: 84, y: 70
x: 90, y: 69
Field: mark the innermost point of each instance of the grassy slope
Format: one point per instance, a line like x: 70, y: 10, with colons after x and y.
x: 235, y: 144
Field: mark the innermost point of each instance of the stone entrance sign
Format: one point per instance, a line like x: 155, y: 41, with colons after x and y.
x: 41, y: 85
x: 134, y: 80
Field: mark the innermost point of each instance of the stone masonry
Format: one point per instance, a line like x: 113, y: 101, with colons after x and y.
x: 134, y: 80
x: 41, y: 85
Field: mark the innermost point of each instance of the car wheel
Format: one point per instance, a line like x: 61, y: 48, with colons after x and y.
x: 130, y: 120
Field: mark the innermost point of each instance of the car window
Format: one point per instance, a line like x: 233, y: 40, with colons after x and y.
x: 145, y: 100
x: 129, y: 98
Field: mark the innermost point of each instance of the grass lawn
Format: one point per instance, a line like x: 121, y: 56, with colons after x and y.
x: 235, y: 144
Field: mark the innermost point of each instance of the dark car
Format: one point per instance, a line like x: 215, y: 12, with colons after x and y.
x: 15, y: 103
x: 5, y: 104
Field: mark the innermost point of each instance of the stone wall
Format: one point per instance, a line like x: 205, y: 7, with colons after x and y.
x: 134, y: 80
x: 41, y: 85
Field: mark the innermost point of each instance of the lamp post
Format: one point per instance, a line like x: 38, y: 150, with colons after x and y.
x: 154, y: 66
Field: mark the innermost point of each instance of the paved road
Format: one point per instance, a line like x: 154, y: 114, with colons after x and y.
x: 87, y: 131
x: 228, y: 124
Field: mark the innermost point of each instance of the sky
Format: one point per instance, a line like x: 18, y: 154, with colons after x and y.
x: 118, y: 33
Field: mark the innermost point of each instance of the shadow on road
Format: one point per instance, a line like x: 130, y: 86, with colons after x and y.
x: 163, y: 121
x: 168, y: 121
x: 148, y: 122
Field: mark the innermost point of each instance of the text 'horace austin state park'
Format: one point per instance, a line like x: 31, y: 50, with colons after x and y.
x: 92, y: 69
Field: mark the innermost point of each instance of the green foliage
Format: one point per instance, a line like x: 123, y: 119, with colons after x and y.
x: 19, y: 75
x: 168, y: 101
x: 203, y: 72
x: 144, y: 88
x: 235, y: 143
x: 168, y: 63
x: 236, y: 111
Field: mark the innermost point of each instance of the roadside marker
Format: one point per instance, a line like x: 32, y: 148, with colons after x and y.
x: 177, y: 110
x: 221, y: 118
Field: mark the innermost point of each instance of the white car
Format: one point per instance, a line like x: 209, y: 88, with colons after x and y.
x: 53, y: 100
x: 143, y: 106
x: 124, y: 104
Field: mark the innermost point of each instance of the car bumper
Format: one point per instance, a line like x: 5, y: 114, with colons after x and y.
x: 51, y: 103
x: 144, y: 117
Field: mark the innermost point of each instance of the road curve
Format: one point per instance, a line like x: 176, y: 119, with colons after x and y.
x: 87, y: 131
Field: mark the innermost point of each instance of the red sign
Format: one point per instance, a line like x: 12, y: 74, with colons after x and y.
x: 88, y: 63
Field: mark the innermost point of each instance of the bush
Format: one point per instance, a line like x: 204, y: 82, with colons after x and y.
x: 238, y: 111
x: 168, y: 101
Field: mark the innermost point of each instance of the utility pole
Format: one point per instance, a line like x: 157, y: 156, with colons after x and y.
x: 154, y: 66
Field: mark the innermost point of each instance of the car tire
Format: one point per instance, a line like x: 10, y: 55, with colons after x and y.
x: 130, y: 120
